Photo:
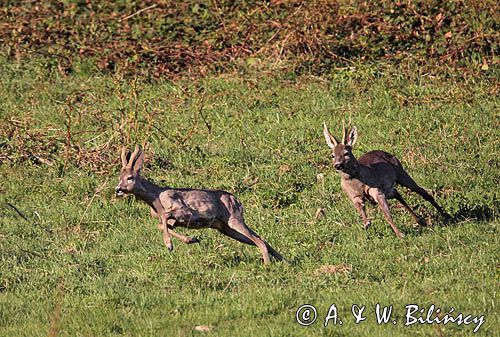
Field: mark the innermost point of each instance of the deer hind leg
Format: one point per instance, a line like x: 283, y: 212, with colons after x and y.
x: 404, y: 179
x: 228, y: 231
x: 269, y: 248
x: 379, y: 197
x: 359, y: 204
x: 238, y: 230
x: 418, y: 219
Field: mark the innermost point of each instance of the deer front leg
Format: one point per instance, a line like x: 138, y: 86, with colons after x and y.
x: 359, y: 204
x: 170, y: 223
x: 379, y: 197
x: 183, y: 238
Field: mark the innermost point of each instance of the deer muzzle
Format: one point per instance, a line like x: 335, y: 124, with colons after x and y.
x: 118, y: 191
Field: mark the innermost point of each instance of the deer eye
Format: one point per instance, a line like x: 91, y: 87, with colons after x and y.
x: 346, y: 154
x: 130, y: 178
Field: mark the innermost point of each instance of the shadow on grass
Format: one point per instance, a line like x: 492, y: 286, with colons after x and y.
x: 479, y: 213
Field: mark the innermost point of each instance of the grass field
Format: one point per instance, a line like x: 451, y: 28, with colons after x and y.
x: 76, y: 261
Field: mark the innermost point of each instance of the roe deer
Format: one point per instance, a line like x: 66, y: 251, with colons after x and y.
x: 190, y: 208
x: 373, y: 177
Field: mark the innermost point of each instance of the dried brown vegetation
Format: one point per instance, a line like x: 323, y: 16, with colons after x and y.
x: 192, y: 38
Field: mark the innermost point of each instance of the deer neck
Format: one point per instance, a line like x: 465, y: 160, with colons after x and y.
x: 353, y: 172
x: 148, y: 192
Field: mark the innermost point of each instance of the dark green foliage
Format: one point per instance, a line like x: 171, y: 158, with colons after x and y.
x: 193, y: 37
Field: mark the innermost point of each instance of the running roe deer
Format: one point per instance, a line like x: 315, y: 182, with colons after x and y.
x: 373, y: 177
x: 190, y: 208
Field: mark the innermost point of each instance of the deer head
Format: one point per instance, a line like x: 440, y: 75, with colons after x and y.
x: 129, y: 180
x: 343, y: 159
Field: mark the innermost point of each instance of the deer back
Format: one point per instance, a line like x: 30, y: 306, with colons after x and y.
x: 203, y: 206
x: 379, y: 169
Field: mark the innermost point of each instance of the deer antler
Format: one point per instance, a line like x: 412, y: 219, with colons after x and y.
x: 124, y: 156
x: 134, y: 156
x: 344, y: 132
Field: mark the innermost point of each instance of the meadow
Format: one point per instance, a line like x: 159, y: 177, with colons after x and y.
x: 77, y: 261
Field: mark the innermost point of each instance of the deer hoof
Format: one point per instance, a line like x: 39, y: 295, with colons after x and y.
x: 367, y: 224
x: 194, y: 240
x: 170, y: 247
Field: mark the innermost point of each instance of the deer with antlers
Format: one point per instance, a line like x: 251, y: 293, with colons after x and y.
x: 190, y: 208
x: 373, y: 177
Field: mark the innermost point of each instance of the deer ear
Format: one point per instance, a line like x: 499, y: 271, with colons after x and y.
x: 330, y: 140
x: 352, y: 137
x: 138, y: 163
x: 125, y: 156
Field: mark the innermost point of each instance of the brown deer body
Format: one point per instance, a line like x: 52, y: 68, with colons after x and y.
x: 190, y: 208
x: 373, y: 177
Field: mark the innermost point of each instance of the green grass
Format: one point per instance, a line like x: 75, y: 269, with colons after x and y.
x: 80, y: 262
